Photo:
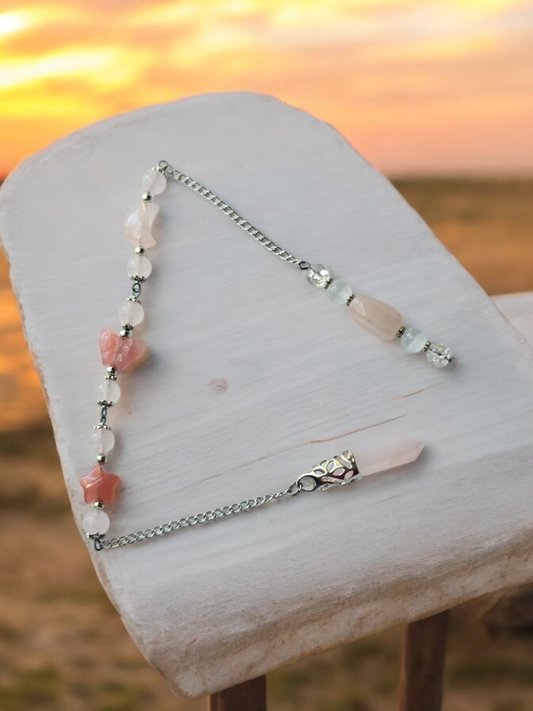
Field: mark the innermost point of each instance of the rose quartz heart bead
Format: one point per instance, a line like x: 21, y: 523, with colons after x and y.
x: 375, y: 316
x: 138, y: 224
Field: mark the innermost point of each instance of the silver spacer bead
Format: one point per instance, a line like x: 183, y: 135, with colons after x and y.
x: 350, y: 299
x: 99, y: 505
x: 147, y: 197
x: 400, y: 332
x: 111, y: 373
x: 140, y: 250
x: 426, y: 347
x: 126, y: 331
x: 101, y: 458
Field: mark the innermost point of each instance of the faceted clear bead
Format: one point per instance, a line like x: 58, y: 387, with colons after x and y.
x: 131, y: 313
x: 108, y: 392
x: 439, y: 356
x: 153, y: 181
x: 96, y: 521
x: 139, y: 266
x: 318, y: 276
x: 102, y: 440
x: 339, y: 291
x: 413, y: 340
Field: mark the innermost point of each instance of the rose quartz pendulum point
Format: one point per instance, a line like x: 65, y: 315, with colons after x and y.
x: 380, y: 319
x: 389, y: 456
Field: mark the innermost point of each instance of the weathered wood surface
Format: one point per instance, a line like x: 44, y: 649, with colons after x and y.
x: 255, y: 376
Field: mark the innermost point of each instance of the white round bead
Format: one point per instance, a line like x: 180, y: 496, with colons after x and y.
x: 131, y: 313
x: 96, y: 521
x: 108, y: 391
x: 102, y: 440
x: 153, y: 181
x: 339, y: 291
x: 139, y: 266
x: 413, y: 340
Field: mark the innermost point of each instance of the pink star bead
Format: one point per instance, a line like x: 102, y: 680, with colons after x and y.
x: 123, y: 353
x: 99, y: 485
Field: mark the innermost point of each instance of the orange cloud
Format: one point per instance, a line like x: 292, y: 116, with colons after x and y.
x: 408, y: 81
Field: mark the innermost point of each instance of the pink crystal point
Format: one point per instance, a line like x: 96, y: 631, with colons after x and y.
x: 124, y: 353
x: 99, y: 485
x: 138, y: 224
x: 392, y: 455
x: 380, y: 319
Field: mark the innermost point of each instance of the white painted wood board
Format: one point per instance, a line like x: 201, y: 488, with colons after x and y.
x: 518, y: 309
x: 255, y: 376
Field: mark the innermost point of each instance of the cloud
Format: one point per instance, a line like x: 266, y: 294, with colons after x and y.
x: 361, y: 64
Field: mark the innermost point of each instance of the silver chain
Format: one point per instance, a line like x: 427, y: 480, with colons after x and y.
x: 192, y: 520
x: 210, y: 196
x: 338, y: 471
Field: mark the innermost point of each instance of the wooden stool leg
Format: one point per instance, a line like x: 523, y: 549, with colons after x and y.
x: 248, y: 696
x: 423, y: 652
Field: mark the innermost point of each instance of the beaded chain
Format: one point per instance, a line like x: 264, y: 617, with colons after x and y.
x: 122, y: 353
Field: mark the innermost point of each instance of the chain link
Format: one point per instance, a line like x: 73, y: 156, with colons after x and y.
x: 210, y: 196
x: 136, y: 289
x: 103, y: 415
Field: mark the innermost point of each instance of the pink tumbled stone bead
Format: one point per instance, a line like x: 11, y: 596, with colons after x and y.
x: 375, y: 316
x: 138, y: 224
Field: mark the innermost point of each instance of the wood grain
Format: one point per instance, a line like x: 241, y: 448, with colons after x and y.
x: 254, y: 376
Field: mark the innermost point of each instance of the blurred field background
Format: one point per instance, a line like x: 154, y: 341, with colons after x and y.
x: 436, y: 94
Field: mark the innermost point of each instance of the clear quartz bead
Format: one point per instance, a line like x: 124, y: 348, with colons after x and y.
x: 131, y: 313
x: 139, y: 266
x: 439, y: 356
x: 339, y: 291
x: 318, y: 276
x: 153, y: 181
x: 413, y: 340
x: 96, y: 521
x: 102, y: 440
x: 108, y: 392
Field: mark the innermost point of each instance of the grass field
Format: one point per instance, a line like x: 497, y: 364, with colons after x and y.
x: 62, y: 645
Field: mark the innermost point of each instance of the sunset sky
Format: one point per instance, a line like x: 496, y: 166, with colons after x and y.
x: 417, y: 86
